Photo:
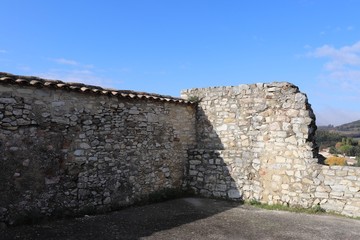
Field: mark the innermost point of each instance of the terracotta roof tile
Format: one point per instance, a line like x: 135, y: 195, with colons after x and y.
x: 7, y: 78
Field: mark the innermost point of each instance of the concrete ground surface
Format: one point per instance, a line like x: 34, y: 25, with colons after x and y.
x: 192, y: 218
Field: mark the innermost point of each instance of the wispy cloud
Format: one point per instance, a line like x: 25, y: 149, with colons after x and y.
x: 340, y: 82
x: 336, y: 30
x: 339, y: 58
x: 70, y: 70
x: 65, y: 61
x: 3, y: 51
x: 341, y: 63
x: 71, y: 63
x: 79, y: 75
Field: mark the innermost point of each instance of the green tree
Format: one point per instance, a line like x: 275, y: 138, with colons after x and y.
x: 346, y: 149
x: 333, y: 150
x: 327, y: 139
x: 356, y: 150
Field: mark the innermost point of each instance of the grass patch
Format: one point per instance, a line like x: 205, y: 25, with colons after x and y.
x: 297, y: 209
x: 194, y: 99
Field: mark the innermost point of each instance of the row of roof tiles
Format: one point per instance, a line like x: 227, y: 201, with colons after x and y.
x: 7, y: 78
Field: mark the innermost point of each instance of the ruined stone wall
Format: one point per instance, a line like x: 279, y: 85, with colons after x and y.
x: 337, y: 189
x: 68, y: 149
x: 256, y: 142
x: 66, y: 152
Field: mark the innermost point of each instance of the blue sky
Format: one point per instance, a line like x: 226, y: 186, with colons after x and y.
x: 166, y: 46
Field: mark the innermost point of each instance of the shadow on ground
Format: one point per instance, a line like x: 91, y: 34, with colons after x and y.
x: 192, y: 218
x: 130, y: 223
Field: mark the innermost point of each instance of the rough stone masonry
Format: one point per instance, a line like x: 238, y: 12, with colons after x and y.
x: 69, y: 149
x: 256, y: 142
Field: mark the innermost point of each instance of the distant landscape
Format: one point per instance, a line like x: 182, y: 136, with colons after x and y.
x: 340, y: 145
x: 351, y: 129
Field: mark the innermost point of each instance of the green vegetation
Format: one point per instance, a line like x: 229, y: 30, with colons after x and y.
x: 338, y: 145
x: 348, y: 147
x: 351, y: 129
x: 327, y: 139
x: 343, y: 139
x: 297, y: 209
x: 194, y: 99
x: 314, y: 210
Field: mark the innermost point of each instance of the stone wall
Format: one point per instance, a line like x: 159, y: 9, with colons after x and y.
x: 337, y: 189
x: 67, y: 152
x: 256, y: 142
x: 69, y: 149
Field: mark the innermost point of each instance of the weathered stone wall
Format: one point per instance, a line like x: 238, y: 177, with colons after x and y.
x: 257, y: 142
x: 220, y: 173
x: 270, y: 126
x: 338, y: 189
x: 66, y: 152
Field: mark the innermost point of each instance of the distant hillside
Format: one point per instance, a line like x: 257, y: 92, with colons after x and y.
x: 351, y: 129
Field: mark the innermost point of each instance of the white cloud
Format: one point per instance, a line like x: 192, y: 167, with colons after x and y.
x: 70, y: 62
x: 79, y: 76
x: 74, y: 71
x: 69, y: 70
x: 353, y: 75
x: 338, y: 58
x: 340, y: 83
x: 65, y: 61
x: 3, y: 51
x: 342, y: 64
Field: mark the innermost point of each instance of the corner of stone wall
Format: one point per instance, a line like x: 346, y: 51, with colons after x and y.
x: 265, y: 133
x: 257, y: 142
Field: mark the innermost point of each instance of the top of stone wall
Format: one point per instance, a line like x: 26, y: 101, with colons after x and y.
x: 271, y: 87
x: 7, y: 78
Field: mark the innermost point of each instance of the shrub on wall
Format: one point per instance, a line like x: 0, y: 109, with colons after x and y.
x: 335, y: 161
x: 358, y: 161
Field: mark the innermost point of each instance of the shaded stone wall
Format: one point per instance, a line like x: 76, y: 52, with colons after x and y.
x: 65, y: 152
x: 68, y: 152
x: 257, y: 142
